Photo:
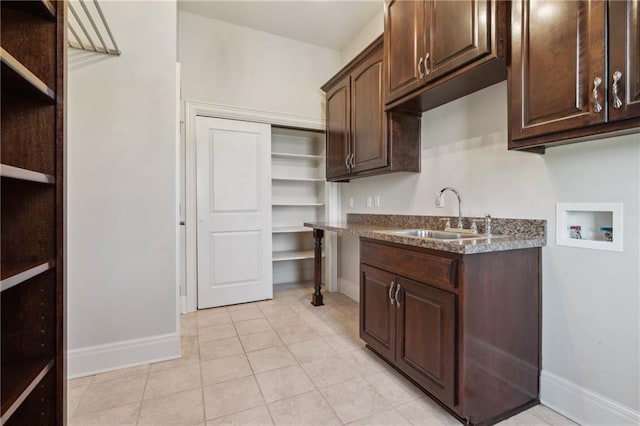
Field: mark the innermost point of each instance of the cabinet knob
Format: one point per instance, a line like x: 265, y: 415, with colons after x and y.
x: 617, y: 102
x: 396, y: 295
x: 427, y: 62
x: 596, y: 104
x: 420, y: 72
x: 391, y: 291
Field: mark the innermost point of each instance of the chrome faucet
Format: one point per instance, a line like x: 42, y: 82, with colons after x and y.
x: 439, y: 202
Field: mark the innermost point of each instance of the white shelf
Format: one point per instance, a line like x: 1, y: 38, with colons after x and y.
x: 297, y: 179
x: 298, y: 195
x: 280, y: 256
x: 302, y: 157
x: 24, y: 174
x: 290, y: 229
x: 296, y: 204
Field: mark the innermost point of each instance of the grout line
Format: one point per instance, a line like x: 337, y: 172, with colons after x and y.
x: 204, y: 408
x: 144, y: 389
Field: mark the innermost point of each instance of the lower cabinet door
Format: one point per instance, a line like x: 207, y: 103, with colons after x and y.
x: 377, y: 313
x: 425, y: 337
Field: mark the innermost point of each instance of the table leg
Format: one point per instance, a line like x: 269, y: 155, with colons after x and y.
x: 316, y: 298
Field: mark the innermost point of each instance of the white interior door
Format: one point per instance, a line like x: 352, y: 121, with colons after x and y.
x: 233, y: 211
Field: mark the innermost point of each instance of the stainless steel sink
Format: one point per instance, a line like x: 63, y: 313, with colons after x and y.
x: 438, y: 235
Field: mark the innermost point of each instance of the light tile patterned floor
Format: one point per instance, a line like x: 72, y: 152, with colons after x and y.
x: 280, y: 362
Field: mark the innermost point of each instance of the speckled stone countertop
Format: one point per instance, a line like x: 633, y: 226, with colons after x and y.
x: 507, y: 234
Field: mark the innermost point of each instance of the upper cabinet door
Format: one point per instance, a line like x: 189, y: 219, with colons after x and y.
x: 624, y: 59
x: 557, y: 75
x: 368, y: 142
x: 403, y: 47
x: 338, y: 129
x: 457, y: 33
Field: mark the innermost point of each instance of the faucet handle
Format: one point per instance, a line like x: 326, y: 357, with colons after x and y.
x: 487, y: 224
x: 448, y: 223
x: 474, y: 227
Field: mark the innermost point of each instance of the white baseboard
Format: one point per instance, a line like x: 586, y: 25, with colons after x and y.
x: 349, y: 288
x: 581, y: 405
x: 129, y: 353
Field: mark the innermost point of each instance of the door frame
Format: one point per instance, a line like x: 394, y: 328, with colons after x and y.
x: 193, y: 109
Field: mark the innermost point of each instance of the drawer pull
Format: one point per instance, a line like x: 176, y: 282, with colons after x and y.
x: 396, y: 296
x: 391, y: 291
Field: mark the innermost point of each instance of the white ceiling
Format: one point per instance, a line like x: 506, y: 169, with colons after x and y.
x: 331, y: 24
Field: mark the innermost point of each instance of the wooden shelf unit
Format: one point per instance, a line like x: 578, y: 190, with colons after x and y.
x: 31, y: 178
x: 298, y: 196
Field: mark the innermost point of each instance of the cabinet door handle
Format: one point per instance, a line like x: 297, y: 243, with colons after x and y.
x: 420, y: 73
x: 596, y: 84
x: 427, y: 61
x: 391, y: 291
x: 617, y: 102
x: 346, y: 161
x: 353, y: 161
x: 396, y: 295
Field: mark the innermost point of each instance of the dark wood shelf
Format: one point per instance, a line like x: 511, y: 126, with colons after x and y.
x: 15, y: 74
x: 44, y: 8
x: 32, y: 358
x: 14, y: 273
x: 18, y: 381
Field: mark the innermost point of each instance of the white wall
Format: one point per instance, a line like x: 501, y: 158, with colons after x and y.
x: 367, y: 34
x: 232, y: 65
x: 121, y: 210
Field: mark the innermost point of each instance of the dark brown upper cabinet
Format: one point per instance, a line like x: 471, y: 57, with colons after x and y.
x: 624, y: 58
x: 438, y: 50
x: 338, y: 131
x: 362, y: 139
x: 560, y: 87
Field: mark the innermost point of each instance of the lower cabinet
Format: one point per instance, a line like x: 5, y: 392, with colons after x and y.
x: 464, y: 328
x: 425, y: 336
x: 377, y: 313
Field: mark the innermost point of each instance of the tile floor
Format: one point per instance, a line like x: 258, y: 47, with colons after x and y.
x: 280, y: 362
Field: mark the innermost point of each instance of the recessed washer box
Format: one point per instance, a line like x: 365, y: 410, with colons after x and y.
x: 596, y: 226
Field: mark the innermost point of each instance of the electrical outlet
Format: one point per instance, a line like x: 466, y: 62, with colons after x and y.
x: 350, y: 201
x: 439, y: 200
x: 376, y: 201
x: 369, y: 202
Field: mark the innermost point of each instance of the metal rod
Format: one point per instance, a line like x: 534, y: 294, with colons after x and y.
x: 93, y: 24
x: 75, y: 35
x: 82, y: 27
x: 106, y: 25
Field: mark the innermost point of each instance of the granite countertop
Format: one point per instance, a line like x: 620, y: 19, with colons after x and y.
x: 507, y: 234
